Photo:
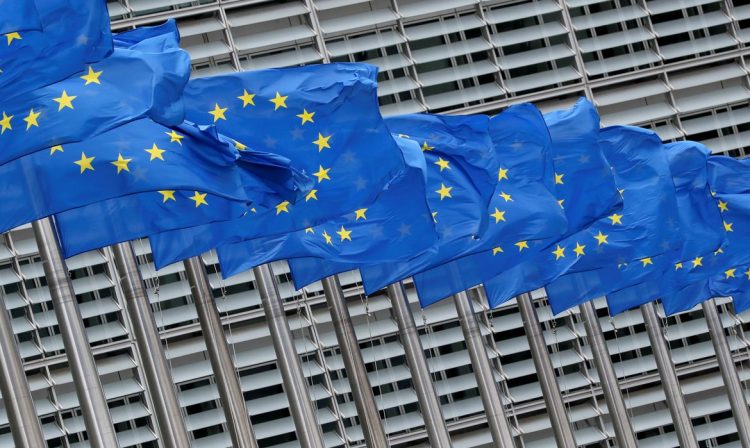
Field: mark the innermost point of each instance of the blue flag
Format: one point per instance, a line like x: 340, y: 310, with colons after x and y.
x: 641, y: 171
x: 143, y: 79
x: 734, y: 282
x: 396, y: 226
x: 698, y: 226
x: 52, y: 43
x: 583, y: 185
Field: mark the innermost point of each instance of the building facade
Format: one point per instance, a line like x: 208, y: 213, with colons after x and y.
x: 679, y: 67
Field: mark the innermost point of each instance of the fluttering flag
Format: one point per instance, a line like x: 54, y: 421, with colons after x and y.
x: 582, y: 181
x: 45, y: 41
x: 144, y: 79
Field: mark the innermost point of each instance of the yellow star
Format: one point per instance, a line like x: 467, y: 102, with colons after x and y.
x: 730, y: 273
x: 167, y: 195
x: 239, y: 146
x: 506, y: 196
x: 502, y: 173
x: 5, y: 123
x: 601, y: 238
x: 282, y: 207
x: 310, y: 230
x: 559, y: 179
x: 64, y: 100
x: 218, y: 112
x: 91, y: 77
x: 313, y: 194
x: 327, y: 238
x: 497, y: 250
x: 522, y: 245
x: 579, y: 249
x: 444, y: 192
x: 174, y: 137
x: 322, y: 142
x: 85, y: 163
x: 31, y: 119
x: 306, y: 116
x: 718, y: 251
x: 723, y: 206
x: 443, y: 164
x: 698, y: 261
x: 12, y: 36
x: 747, y: 273
x: 199, y: 198
x: 559, y: 252
x: 677, y: 266
x: 621, y: 191
x: 360, y: 214
x: 434, y: 216
x: 560, y: 202
x: 247, y: 98
x: 616, y: 219
x: 121, y: 163
x: 279, y: 101
x: 728, y: 227
x: 426, y: 147
x: 156, y: 152
x: 322, y: 173
x: 56, y: 148
x: 498, y: 215
x: 647, y: 261
x: 344, y: 234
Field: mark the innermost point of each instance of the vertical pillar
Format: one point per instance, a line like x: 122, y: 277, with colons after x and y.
x: 612, y: 395
x: 735, y: 393
x: 19, y: 406
x: 309, y: 433
x: 429, y: 403
x: 547, y: 380
x: 227, y: 381
x: 96, y: 417
x: 664, y: 364
x: 364, y: 400
x: 502, y: 434
x: 161, y: 387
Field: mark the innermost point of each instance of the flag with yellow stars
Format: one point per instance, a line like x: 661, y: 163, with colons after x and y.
x: 576, y: 172
x: 45, y: 41
x: 733, y: 282
x: 142, y: 78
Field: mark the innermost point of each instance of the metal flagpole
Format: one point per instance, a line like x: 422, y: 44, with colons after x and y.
x: 19, y: 406
x: 309, y: 433
x: 547, y: 380
x: 607, y: 377
x: 675, y: 401
x: 161, y: 387
x: 429, y: 404
x: 227, y: 381
x: 96, y: 418
x: 364, y: 400
x: 502, y: 434
x: 728, y: 372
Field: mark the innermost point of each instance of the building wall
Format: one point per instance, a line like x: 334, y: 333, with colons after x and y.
x: 677, y: 66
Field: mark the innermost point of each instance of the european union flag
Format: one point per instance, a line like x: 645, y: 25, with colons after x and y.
x: 580, y: 177
x: 395, y: 227
x: 641, y: 171
x: 46, y: 41
x: 734, y: 282
x: 143, y: 79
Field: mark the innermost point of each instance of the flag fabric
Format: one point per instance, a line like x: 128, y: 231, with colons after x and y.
x: 50, y: 44
x: 396, y: 226
x: 734, y: 282
x: 145, y: 78
x: 583, y: 184
x: 641, y: 172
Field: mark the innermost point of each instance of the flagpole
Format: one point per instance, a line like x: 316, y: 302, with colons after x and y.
x: 96, y: 417
x: 309, y: 432
x: 735, y: 394
x: 664, y: 364
x: 502, y: 433
x: 607, y: 377
x: 364, y: 400
x: 19, y: 406
x: 161, y: 387
x: 546, y: 373
x: 429, y: 403
x: 227, y: 381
